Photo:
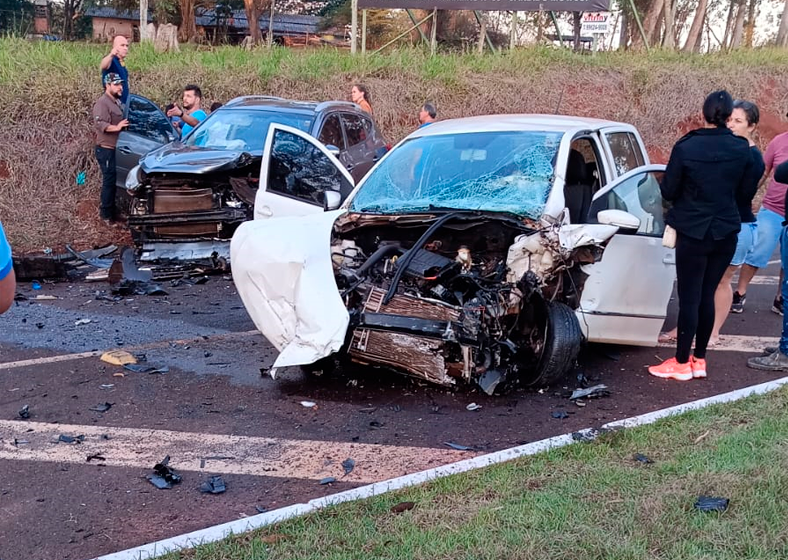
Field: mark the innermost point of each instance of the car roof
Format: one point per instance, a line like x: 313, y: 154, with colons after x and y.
x: 268, y: 102
x: 501, y: 123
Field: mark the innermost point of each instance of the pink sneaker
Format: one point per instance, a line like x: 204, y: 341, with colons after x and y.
x: 698, y: 366
x: 671, y: 369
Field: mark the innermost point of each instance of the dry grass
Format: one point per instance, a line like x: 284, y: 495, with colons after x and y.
x: 48, y: 90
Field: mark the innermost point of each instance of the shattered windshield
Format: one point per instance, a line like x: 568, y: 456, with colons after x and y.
x: 244, y: 130
x: 490, y: 171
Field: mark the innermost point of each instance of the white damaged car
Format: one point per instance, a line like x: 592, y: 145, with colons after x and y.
x: 479, y: 250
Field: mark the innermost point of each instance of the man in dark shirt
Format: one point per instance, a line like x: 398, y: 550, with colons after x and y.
x: 115, y: 62
x: 108, y: 122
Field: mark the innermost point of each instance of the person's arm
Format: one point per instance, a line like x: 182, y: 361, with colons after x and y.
x: 193, y: 119
x: 101, y: 120
x: 748, y: 185
x: 106, y: 62
x: 671, y: 182
x: 7, y: 277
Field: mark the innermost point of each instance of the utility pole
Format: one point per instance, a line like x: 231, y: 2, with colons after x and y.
x: 353, y: 25
x: 143, y: 21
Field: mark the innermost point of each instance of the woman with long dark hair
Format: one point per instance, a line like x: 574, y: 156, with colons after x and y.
x: 706, y: 180
x: 359, y: 94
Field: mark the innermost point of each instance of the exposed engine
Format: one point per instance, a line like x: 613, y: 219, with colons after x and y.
x: 460, y: 297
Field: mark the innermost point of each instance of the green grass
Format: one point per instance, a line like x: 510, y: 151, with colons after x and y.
x: 589, y: 501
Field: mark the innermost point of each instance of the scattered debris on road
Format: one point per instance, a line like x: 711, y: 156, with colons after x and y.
x: 118, y: 358
x: 600, y: 390
x: 328, y: 480
x: 348, y: 465
x: 24, y: 412
x: 473, y: 406
x: 95, y: 457
x: 559, y: 414
x: 214, y: 485
x: 457, y: 446
x: 144, y: 368
x: 80, y: 322
x: 165, y: 476
x: 308, y: 404
x: 101, y: 407
x: 261, y: 509
x: 708, y: 504
x: 71, y: 439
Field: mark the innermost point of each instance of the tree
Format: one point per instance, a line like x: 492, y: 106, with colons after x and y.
x: 669, y: 39
x: 16, y: 16
x: 188, y: 29
x: 696, y: 29
x: 71, y: 9
x: 254, y: 8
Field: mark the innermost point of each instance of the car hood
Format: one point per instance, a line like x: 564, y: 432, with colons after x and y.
x: 283, y: 272
x: 179, y: 158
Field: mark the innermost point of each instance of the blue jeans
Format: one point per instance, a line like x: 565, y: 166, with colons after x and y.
x: 784, y: 289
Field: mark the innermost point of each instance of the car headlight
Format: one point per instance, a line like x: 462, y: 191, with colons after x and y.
x: 134, y: 180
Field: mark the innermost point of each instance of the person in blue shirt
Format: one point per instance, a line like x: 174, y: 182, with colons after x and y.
x: 192, y: 113
x: 427, y: 115
x: 115, y: 62
x: 7, y: 278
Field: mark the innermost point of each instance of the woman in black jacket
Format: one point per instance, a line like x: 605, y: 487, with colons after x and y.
x: 705, y: 181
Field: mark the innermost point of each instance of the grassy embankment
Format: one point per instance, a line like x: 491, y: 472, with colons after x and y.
x: 588, y: 501
x: 47, y: 90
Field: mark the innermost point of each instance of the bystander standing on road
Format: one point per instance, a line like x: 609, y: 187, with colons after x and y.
x: 192, y: 113
x: 359, y: 94
x: 705, y: 179
x: 427, y: 114
x: 108, y: 122
x: 770, y: 218
x: 115, y: 63
x: 7, y: 278
x: 776, y: 359
x: 743, y: 121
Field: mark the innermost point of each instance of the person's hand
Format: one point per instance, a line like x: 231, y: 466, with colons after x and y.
x: 114, y: 51
x: 123, y: 124
x: 175, y: 112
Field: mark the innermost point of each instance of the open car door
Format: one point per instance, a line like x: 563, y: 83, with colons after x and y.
x: 626, y: 295
x: 298, y: 176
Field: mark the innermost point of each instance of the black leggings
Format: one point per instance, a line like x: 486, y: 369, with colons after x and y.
x: 700, y: 265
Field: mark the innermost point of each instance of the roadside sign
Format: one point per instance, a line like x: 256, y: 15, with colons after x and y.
x: 595, y: 22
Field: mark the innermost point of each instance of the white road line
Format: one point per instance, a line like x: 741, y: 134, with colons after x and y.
x: 220, y: 454
x: 763, y: 279
x: 149, y: 346
x: 219, y: 532
x: 738, y: 343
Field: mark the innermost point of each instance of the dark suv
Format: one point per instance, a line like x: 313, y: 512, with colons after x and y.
x: 200, y: 188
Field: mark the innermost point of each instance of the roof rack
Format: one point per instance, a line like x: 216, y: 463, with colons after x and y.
x: 326, y: 104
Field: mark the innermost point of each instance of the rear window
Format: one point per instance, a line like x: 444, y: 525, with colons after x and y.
x: 242, y: 129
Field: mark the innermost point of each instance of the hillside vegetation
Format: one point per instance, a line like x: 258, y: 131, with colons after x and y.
x: 47, y: 91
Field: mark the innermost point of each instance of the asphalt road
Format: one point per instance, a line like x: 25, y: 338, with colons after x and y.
x: 214, y: 413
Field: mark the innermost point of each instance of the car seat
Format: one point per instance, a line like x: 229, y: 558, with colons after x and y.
x: 578, y: 187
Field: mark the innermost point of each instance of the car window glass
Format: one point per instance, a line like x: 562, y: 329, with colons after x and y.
x: 626, y: 151
x: 242, y: 129
x: 640, y: 196
x: 147, y: 120
x: 298, y: 168
x: 354, y: 129
x: 331, y: 133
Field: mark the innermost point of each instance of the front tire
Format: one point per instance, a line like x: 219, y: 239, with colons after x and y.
x: 563, y: 338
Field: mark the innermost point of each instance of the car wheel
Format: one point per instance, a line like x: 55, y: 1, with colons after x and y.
x: 562, y: 342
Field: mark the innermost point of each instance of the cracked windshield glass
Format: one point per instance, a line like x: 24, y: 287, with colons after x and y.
x: 242, y: 130
x: 490, y: 171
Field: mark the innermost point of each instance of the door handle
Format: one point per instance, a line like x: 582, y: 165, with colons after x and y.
x: 670, y: 258
x: 266, y: 211
x: 124, y: 150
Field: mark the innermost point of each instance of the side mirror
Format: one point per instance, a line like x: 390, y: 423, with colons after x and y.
x: 618, y: 218
x: 333, y: 150
x: 331, y: 200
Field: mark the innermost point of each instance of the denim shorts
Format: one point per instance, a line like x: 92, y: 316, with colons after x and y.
x: 770, y: 227
x: 748, y: 238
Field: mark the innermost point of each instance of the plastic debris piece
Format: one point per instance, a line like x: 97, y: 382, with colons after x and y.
x: 119, y: 374
x: 107, y: 386
x: 402, y: 507
x: 457, y: 446
x: 708, y: 504
x: 45, y: 298
x: 137, y: 368
x: 159, y: 482
x: 24, y: 412
x: 348, y: 464
x: 581, y: 404
x: 118, y: 358
x: 585, y: 435
x: 80, y: 322
x: 214, y: 485
x: 70, y: 439
x: 559, y: 414
x: 81, y: 176
x: 261, y: 509
x: 96, y: 457
x: 640, y: 458
x: 590, y: 392
x: 36, y: 285
x: 101, y: 407
x: 328, y: 480
x: 308, y: 404
x: 163, y: 470
x: 473, y: 406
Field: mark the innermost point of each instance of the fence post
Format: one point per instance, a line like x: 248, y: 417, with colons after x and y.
x: 363, y: 32
x: 353, y: 25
